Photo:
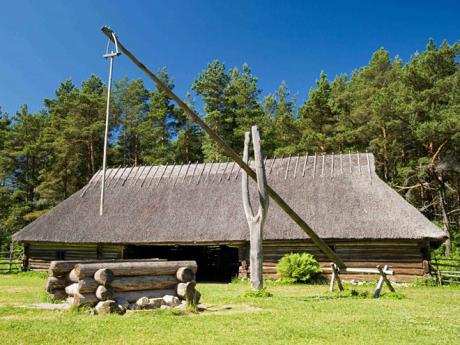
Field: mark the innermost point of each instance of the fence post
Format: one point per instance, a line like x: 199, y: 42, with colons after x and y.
x: 438, y: 272
x: 11, y: 257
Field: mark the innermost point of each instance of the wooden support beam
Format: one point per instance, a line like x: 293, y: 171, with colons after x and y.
x: 368, y: 165
x: 273, y: 164
x: 162, y: 174
x: 349, y: 161
x: 89, y: 184
x: 322, y: 166
x: 146, y: 175
x: 209, y: 171
x: 153, y: 176
x: 383, y: 278
x: 223, y: 173
x: 296, y: 165
x: 332, y: 164
x: 305, y: 164
x: 140, y: 174
x: 228, y: 151
x: 314, y: 165
x: 231, y: 172
x: 379, y: 285
x: 121, y: 175
x: 201, y: 173
x: 186, y: 171
x: 287, y: 167
x: 127, y: 176
x: 335, y: 277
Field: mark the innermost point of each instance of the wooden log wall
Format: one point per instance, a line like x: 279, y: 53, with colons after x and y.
x: 406, y: 258
x: 40, y: 254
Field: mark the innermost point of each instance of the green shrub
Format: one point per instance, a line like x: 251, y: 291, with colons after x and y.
x: 298, y: 267
x: 258, y: 293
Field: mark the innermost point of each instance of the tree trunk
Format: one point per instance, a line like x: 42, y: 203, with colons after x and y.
x: 385, y: 153
x: 255, y: 222
x: 256, y: 256
x: 445, y: 217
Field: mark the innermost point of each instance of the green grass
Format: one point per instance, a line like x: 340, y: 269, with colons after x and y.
x: 295, y: 314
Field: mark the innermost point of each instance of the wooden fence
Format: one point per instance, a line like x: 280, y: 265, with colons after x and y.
x: 446, y: 271
x: 11, y: 261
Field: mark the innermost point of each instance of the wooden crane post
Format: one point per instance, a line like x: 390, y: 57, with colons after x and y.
x: 255, y: 222
x: 230, y: 153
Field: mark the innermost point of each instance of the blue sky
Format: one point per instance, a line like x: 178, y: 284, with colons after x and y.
x: 46, y: 42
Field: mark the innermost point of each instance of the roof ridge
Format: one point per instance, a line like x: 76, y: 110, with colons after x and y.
x: 285, y: 168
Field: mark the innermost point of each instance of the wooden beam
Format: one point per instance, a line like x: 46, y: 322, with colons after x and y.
x: 305, y: 164
x: 336, y: 277
x: 186, y: 171
x: 385, y: 279
x: 228, y: 151
x: 379, y: 285
x: 146, y: 176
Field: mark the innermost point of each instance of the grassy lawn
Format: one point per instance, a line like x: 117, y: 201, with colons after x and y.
x: 296, y: 314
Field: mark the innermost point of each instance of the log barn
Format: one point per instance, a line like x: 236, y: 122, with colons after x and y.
x: 195, y: 212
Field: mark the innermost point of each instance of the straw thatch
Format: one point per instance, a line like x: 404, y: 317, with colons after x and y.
x: 339, y: 196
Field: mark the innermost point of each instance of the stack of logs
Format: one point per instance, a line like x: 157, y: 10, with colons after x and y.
x: 87, y: 283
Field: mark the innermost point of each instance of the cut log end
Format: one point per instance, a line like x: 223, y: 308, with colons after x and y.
x: 104, y: 276
x: 104, y: 293
x: 185, y: 274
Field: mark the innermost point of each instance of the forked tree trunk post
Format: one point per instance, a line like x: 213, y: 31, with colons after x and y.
x: 255, y: 222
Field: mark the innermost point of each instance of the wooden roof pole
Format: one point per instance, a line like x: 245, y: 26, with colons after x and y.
x: 229, y: 152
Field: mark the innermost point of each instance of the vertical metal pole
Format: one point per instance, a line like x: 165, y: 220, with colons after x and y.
x: 106, y: 134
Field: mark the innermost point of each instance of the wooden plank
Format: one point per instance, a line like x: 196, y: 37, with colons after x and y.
x: 361, y: 270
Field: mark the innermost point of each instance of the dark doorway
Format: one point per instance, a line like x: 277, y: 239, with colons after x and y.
x: 215, y: 263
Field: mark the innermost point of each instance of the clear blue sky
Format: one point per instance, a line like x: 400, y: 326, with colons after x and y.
x: 46, y: 42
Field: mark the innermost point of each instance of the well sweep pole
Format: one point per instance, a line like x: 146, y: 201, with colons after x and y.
x: 229, y: 152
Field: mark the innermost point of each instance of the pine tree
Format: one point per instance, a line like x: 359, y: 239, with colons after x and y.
x: 189, y: 137
x: 133, y: 104
x: 212, y: 85
x: 318, y: 119
x: 159, y: 125
x: 282, y: 133
x: 73, y: 138
x: 22, y: 159
x: 242, y: 99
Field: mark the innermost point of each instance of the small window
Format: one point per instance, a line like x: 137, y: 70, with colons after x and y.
x: 60, y: 255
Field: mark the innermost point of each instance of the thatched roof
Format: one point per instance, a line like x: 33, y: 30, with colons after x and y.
x: 340, y: 197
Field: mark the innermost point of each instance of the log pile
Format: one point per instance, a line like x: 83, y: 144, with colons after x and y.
x: 117, y: 285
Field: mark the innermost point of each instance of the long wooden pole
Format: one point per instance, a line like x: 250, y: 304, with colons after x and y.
x: 229, y: 152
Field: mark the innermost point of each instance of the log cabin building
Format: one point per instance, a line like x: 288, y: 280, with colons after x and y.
x: 195, y: 211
